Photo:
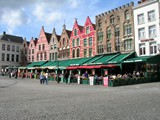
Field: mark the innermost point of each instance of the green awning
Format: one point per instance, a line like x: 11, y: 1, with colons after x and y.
x: 36, y: 64
x: 80, y: 61
x: 119, y: 58
x: 92, y: 60
x: 47, y: 64
x: 22, y: 68
x: 136, y: 59
x: 104, y: 59
x: 149, y: 59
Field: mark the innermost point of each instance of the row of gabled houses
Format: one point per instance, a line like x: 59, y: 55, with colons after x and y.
x: 119, y: 32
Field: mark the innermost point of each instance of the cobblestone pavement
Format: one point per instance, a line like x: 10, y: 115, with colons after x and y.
x: 26, y: 99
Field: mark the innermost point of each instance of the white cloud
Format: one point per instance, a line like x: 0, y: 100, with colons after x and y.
x: 13, y: 19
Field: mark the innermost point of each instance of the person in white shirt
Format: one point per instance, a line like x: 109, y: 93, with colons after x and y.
x: 47, y: 79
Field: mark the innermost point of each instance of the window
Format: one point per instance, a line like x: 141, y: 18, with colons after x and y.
x: 90, y: 52
x: 64, y: 41
x: 55, y: 46
x: 29, y: 59
x: 41, y: 56
x: 39, y: 47
x: 3, y: 46
x: 8, y: 47
x: 75, y: 32
x: 140, y: 19
x: 51, y: 47
x: 12, y: 57
x: 32, y: 51
x: 3, y: 57
x: 45, y: 56
x: 73, y: 43
x: 78, y: 41
x: 117, y: 45
x: 128, y: 45
x: 25, y: 51
x: 141, y: 33
x: 142, y: 49
x: 90, y: 41
x: 100, y: 49
x: 85, y: 52
x: 152, y: 31
x: 100, y: 23
x: 31, y: 45
x: 56, y: 56
x: 85, y: 42
x: 127, y: 17
x: 13, y: 48
x: 53, y: 39
x: 100, y: 36
x: 127, y: 30
x: 117, y: 33
x: 87, y: 30
x: 17, y: 48
x: 108, y: 34
x: 52, y: 56
x: 43, y: 47
x: 109, y: 48
x: 153, y: 48
x: 17, y: 58
x: 112, y: 19
x: 151, y: 15
x: 37, y: 57
x: 24, y: 45
x: 78, y: 51
x: 73, y: 53
x: 29, y: 52
x: 8, y: 57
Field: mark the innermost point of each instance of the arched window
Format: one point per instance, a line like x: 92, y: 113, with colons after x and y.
x: 78, y: 41
x: 112, y: 19
x: 73, y: 53
x: 78, y: 51
x: 73, y: 43
x: 126, y: 14
x: 108, y: 33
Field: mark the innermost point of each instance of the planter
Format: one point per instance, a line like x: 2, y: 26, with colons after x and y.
x: 113, y: 83
x: 122, y: 82
x: 128, y: 82
x: 85, y: 82
x: 51, y: 78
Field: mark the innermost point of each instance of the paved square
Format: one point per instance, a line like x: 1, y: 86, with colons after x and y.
x: 26, y: 99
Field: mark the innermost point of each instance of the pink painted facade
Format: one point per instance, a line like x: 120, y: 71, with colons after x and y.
x: 86, y: 47
x: 31, y: 50
x: 75, y: 46
x: 42, y: 46
x: 88, y: 39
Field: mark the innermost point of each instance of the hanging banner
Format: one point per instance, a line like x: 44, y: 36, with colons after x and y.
x: 105, y: 81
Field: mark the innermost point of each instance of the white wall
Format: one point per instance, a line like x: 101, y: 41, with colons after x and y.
x: 145, y: 8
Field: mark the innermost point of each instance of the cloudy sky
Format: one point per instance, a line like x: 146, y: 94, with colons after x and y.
x: 26, y: 17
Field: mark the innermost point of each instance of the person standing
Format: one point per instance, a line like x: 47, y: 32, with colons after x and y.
x: 47, y: 79
x: 41, y: 78
x: 66, y: 76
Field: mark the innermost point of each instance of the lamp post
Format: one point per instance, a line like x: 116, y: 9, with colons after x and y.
x: 10, y: 70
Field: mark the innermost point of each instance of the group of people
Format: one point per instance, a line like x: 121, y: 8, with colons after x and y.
x: 44, y: 78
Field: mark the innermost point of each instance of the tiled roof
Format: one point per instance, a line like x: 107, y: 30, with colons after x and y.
x: 48, y: 36
x: 58, y: 37
x: 69, y: 33
x: 11, y: 38
x: 80, y: 27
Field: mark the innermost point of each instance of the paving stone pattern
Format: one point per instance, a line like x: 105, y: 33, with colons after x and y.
x: 26, y: 99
